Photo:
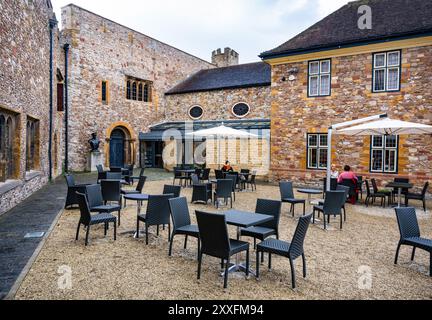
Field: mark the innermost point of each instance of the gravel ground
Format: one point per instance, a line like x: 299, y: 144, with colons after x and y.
x: 128, y: 269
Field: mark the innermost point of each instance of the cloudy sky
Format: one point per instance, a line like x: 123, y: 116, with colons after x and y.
x: 201, y: 26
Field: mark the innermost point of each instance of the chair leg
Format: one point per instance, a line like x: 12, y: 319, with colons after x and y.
x: 293, y: 277
x: 255, y: 244
x: 304, y: 266
x: 341, y: 222
x: 169, y: 232
x: 413, y: 254
x: 157, y: 232
x: 257, y: 264
x: 137, y: 229
x: 119, y: 218
x: 185, y: 243
x: 325, y: 223
x: 87, y: 235
x: 171, y: 245
x: 222, y: 263
x: 200, y: 256
x: 397, y: 253
x: 424, y: 205
x: 115, y: 230
x: 105, y: 229
x: 304, y: 209
x: 78, y: 230
x: 247, y: 263
x: 345, y: 215
x: 226, y: 273
x: 147, y: 234
x: 199, y: 246
x: 313, y: 217
x: 270, y: 261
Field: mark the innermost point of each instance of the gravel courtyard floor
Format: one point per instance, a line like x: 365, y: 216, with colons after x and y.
x: 128, y: 269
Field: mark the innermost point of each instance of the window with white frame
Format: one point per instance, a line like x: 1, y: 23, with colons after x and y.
x: 319, y: 78
x: 317, y: 151
x: 386, y: 71
x: 384, y: 154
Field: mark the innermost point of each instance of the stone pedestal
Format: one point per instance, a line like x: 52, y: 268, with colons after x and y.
x: 93, y: 159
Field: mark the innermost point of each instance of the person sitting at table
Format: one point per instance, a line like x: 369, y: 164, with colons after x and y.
x: 227, y: 167
x: 349, y: 175
x: 334, y: 172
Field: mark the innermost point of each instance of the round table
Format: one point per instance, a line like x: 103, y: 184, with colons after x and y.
x: 139, y: 198
x: 309, y: 192
x: 400, y: 186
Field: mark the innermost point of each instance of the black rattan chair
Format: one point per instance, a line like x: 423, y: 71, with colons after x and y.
x: 97, y: 203
x: 205, y: 176
x: 410, y: 234
x: 287, y: 195
x: 251, y: 181
x: 371, y: 196
x: 111, y: 191
x: 223, y: 190
x: 175, y: 190
x: 386, y: 193
x: 101, y: 172
x: 292, y: 250
x: 215, y: 242
x: 179, y: 176
x: 268, y: 229
x: 138, y: 190
x: 333, y: 203
x: 234, y: 179
x: 87, y: 220
x: 158, y: 213
x: 73, y: 188
x: 202, y: 192
x: 333, y: 185
x: 219, y: 175
x: 418, y: 196
x: 182, y: 222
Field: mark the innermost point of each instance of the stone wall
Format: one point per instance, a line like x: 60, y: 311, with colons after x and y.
x: 102, y: 50
x: 24, y: 90
x: 294, y: 115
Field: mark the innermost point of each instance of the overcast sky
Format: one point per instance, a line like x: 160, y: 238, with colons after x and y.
x: 201, y: 26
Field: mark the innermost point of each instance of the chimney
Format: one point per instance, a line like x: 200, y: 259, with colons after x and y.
x: 226, y: 58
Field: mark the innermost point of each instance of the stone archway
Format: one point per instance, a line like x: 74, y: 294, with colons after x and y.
x: 121, y: 137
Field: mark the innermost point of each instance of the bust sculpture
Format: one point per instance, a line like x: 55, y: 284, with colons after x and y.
x: 94, y: 143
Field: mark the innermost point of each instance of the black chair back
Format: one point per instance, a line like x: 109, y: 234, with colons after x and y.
x: 233, y: 178
x: 286, y: 190
x: 271, y: 208
x: 99, y: 168
x: 333, y: 202
x: 246, y: 171
x: 179, y: 212
x: 113, y: 176
x: 408, y: 223
x: 333, y: 184
x: 195, y: 179
x: 219, y: 174
x: 224, y: 188
x: 213, y: 234
x: 425, y: 189
x: 177, y: 173
x: 175, y: 190
x: 158, y: 210
x: 296, y: 248
x: 198, y: 172
x: 374, y: 185
x: 70, y: 180
x: 84, y: 209
x: 111, y: 190
x: 368, y: 193
x: 352, y: 185
x: 344, y: 189
x: 205, y: 174
x: 141, y: 182
x: 94, y: 195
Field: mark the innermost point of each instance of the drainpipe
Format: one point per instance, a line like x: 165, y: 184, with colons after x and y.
x: 66, y: 101
x: 52, y: 24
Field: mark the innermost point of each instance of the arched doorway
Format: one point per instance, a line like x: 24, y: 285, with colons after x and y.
x: 117, y: 148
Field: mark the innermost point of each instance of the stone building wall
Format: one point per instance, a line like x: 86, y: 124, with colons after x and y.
x: 24, y: 90
x: 294, y: 115
x: 102, y: 50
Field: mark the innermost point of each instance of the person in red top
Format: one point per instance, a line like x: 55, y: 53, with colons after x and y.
x: 227, y: 167
x: 349, y: 175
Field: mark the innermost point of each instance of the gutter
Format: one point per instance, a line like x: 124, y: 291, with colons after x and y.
x: 66, y: 102
x: 52, y: 24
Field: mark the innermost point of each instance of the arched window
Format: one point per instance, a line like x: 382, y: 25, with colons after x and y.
x: 31, y: 144
x: 8, y: 137
x: 140, y: 92
x: 128, y: 90
x: 146, y: 93
x: 134, y: 91
x: 9, y: 148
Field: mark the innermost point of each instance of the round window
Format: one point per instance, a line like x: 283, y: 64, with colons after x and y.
x: 241, y: 110
x: 196, y: 112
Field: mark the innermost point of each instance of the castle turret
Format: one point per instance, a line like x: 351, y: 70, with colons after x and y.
x: 226, y: 58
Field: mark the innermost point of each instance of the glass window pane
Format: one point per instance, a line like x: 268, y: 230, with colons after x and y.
x: 393, y: 79
x: 393, y: 59
x: 390, y: 161
x: 377, y: 160
x: 313, y: 85
x: 325, y: 66
x: 314, y: 67
x: 325, y: 85
x: 313, y: 140
x: 391, y: 142
x: 313, y: 158
x: 379, y: 80
x: 323, y: 140
x: 323, y: 158
x: 380, y: 60
x: 377, y: 141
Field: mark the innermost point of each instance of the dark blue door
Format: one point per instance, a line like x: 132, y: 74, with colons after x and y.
x: 117, y: 146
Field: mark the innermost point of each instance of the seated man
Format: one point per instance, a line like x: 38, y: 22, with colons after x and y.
x: 227, y: 167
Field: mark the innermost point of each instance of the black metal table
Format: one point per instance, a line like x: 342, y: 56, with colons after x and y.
x: 139, y: 198
x: 310, y: 192
x: 186, y: 173
x: 400, y: 186
x: 243, y: 219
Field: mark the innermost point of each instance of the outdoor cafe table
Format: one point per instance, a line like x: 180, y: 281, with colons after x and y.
x: 139, y: 198
x: 400, y: 186
x: 310, y: 192
x: 186, y: 173
x: 242, y: 219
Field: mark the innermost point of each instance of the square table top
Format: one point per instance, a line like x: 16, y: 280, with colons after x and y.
x: 245, y: 219
x: 401, y: 185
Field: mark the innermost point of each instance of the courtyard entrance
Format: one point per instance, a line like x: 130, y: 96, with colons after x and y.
x: 117, y: 148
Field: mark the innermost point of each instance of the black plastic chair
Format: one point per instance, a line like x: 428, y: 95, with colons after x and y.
x: 97, y: 203
x: 202, y: 192
x: 234, y: 179
x: 215, y: 242
x: 333, y: 185
x: 360, y: 186
x: 142, y: 171
x: 353, y: 192
x: 410, y: 234
x: 182, y: 222
x: 101, y: 172
x: 251, y: 181
x: 179, y: 176
x: 158, y: 213
x: 87, y: 220
x: 138, y: 190
x: 219, y: 175
x: 111, y: 191
x: 205, y: 176
x: 267, y: 229
x: 73, y: 188
x: 386, y: 193
x: 333, y: 202
x: 223, y: 190
x: 418, y: 196
x: 128, y: 173
x: 287, y: 195
x: 175, y: 190
x: 292, y: 250
x: 371, y: 196
x: 346, y: 190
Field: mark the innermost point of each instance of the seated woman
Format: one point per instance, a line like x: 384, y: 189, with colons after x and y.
x: 351, y: 176
x: 227, y: 167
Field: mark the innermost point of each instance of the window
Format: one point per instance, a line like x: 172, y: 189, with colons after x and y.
x: 317, y: 151
x: 241, y: 110
x: 60, y: 98
x: 146, y: 93
x: 134, y: 91
x: 32, y: 152
x: 384, y: 154
x: 196, y: 112
x: 104, y: 92
x: 8, y: 134
x: 128, y: 90
x: 319, y: 78
x: 386, y: 71
x: 138, y: 90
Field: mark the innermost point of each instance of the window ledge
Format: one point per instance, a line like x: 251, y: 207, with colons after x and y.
x: 9, y: 185
x: 32, y: 175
